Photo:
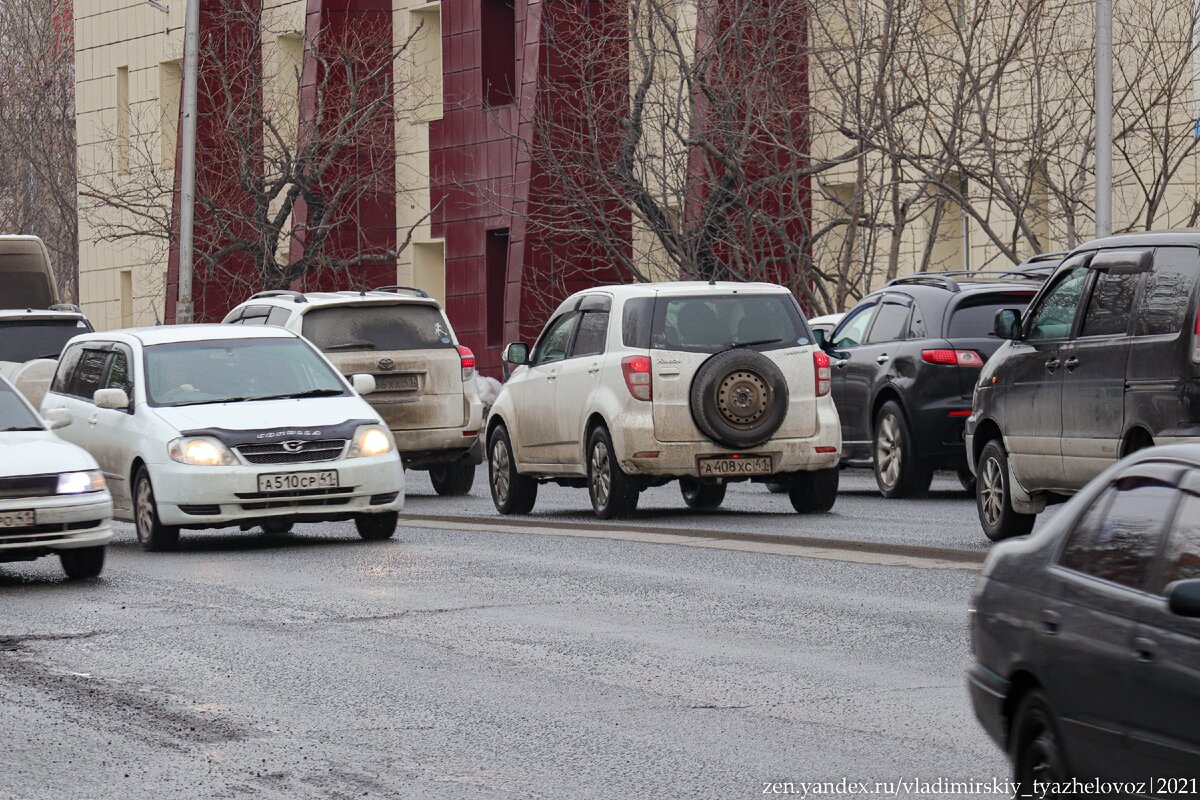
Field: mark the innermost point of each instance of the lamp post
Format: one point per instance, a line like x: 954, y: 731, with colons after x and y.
x: 187, y: 169
x: 1104, y: 113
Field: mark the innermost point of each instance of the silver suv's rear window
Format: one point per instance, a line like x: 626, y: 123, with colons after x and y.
x: 711, y: 323
x: 402, y: 326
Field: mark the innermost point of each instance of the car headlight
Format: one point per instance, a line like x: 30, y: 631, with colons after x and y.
x: 370, y: 440
x: 80, y: 482
x: 201, y: 451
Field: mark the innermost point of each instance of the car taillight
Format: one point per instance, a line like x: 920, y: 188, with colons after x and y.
x: 637, y: 376
x: 952, y: 358
x: 468, y: 362
x: 823, y: 372
x: 1196, y: 340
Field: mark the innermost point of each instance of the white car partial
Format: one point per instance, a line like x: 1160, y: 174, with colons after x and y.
x: 212, y: 426
x: 53, y: 499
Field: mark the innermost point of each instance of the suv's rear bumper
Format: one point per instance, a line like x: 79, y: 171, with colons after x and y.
x: 424, y: 459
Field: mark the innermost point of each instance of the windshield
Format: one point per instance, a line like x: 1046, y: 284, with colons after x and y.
x: 231, y: 370
x: 28, y: 339
x: 399, y: 326
x: 14, y: 414
x: 711, y: 323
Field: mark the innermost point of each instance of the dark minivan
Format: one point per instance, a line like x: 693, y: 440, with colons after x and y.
x: 1086, y: 635
x: 1104, y: 362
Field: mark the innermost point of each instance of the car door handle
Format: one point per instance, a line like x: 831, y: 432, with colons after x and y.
x: 882, y: 359
x: 1144, y: 649
x: 93, y: 419
x: 1050, y: 622
x: 1053, y: 364
x: 1071, y: 363
x: 552, y: 376
x: 841, y: 363
x: 593, y: 369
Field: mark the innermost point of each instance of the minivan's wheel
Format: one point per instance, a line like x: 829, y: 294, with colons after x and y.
x: 452, y: 480
x: 966, y: 480
x: 739, y: 398
x: 374, y: 527
x: 512, y: 492
x: 899, y: 472
x: 701, y: 496
x: 1036, y: 754
x: 614, y: 494
x: 814, y: 492
x: 993, y: 496
x: 82, y: 562
x: 150, y: 531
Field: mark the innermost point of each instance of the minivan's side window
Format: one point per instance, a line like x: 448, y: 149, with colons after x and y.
x: 1182, y: 561
x: 555, y: 340
x: 1167, y: 296
x: 1110, y: 305
x: 1056, y: 310
x: 853, y: 330
x: 1118, y: 544
x: 91, y: 373
x: 66, y: 370
x: 891, y: 323
x: 593, y: 334
x: 119, y: 376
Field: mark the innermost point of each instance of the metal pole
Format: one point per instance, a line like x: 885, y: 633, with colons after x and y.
x: 187, y: 170
x: 1104, y: 111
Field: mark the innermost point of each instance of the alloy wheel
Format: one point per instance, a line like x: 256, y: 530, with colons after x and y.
x: 500, y: 467
x: 145, y: 511
x: 991, y: 491
x: 888, y: 449
x: 601, y: 476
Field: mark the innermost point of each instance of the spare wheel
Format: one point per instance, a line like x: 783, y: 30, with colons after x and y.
x: 739, y: 398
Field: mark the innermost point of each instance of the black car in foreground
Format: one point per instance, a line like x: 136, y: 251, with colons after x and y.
x: 906, y: 360
x: 1086, y: 635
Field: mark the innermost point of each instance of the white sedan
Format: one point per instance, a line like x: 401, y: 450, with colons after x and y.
x: 53, y: 499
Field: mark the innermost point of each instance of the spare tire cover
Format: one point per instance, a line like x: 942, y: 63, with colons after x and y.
x: 739, y: 398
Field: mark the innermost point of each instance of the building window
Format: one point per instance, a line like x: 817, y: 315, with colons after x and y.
x: 497, y: 278
x: 126, y: 298
x: 169, y: 77
x: 122, y: 106
x: 498, y: 56
x: 426, y: 24
x: 429, y: 268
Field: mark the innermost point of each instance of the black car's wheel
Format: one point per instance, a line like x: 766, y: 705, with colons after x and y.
x: 993, y: 496
x: 276, y: 527
x: 814, y: 492
x: 701, y: 496
x: 453, y: 480
x: 150, y: 531
x: 899, y: 470
x: 512, y: 492
x: 1035, y: 751
x: 739, y: 398
x: 775, y: 487
x: 82, y: 562
x: 614, y: 494
x: 374, y: 527
x: 966, y: 480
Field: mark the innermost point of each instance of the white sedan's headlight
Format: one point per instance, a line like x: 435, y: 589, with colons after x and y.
x: 200, y: 451
x: 81, y: 482
x: 370, y: 440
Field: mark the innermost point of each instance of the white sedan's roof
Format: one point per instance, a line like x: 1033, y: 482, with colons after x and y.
x: 169, y: 334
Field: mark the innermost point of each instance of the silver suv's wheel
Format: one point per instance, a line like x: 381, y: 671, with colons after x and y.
x: 614, y: 494
x: 512, y: 492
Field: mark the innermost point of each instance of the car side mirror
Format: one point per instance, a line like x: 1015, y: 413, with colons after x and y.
x: 362, y: 383
x: 56, y: 418
x: 1007, y: 323
x: 1183, y: 598
x: 114, y: 399
x: 516, y: 354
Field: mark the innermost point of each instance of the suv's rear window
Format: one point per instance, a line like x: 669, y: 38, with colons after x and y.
x: 710, y: 323
x: 977, y: 320
x: 402, y: 326
x: 43, y: 338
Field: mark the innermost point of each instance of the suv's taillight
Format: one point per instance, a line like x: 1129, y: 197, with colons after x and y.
x: 952, y: 358
x: 468, y: 362
x: 637, y: 376
x: 823, y: 372
x: 1196, y: 339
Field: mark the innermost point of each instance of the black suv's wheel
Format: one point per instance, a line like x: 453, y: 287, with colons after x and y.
x: 814, y: 492
x: 1036, y: 754
x: 374, y: 527
x: 701, y: 496
x: 993, y: 496
x: 899, y: 471
x: 614, y: 494
x: 452, y: 480
x: 512, y: 492
x: 739, y: 398
x: 82, y: 562
x: 150, y: 531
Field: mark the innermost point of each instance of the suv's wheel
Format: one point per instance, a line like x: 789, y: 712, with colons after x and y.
x: 993, y: 496
x: 512, y: 492
x: 1036, y: 755
x: 374, y: 527
x: 701, y: 496
x: 614, y: 494
x: 451, y: 480
x: 82, y: 562
x: 150, y: 531
x: 814, y: 492
x: 899, y: 471
x: 739, y: 398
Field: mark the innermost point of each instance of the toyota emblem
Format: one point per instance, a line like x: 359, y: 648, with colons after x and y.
x: 387, y: 363
x: 293, y: 446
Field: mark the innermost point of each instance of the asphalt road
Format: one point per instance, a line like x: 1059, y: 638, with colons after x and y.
x: 449, y: 664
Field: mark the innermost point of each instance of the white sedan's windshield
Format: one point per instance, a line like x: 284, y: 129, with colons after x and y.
x: 233, y: 370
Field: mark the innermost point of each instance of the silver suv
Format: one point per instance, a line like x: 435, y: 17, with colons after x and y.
x: 425, y: 380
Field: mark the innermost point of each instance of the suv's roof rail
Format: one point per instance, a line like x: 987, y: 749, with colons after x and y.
x: 928, y: 278
x: 71, y: 307
x: 1007, y: 274
x: 297, y: 297
x: 413, y: 289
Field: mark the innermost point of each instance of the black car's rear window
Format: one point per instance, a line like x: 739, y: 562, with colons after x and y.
x: 711, y: 323
x: 976, y: 319
x: 43, y: 338
x: 401, y: 326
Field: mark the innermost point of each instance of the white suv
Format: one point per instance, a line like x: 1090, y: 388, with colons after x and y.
x: 207, y: 426
x: 425, y: 379
x: 635, y: 386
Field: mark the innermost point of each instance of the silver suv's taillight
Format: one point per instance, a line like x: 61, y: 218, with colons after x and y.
x: 1196, y: 339
x: 636, y: 370
x: 823, y: 372
x: 468, y: 362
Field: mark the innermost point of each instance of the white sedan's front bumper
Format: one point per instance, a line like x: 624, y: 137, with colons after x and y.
x: 203, y: 497
x: 62, y: 522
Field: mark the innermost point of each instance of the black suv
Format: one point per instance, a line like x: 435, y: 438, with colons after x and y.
x: 1106, y: 361
x: 905, y: 361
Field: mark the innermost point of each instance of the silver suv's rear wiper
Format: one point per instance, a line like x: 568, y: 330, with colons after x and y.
x: 350, y: 346
x: 732, y: 345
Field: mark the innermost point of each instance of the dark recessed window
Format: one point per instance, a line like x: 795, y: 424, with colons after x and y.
x: 498, y: 51
x: 496, y: 266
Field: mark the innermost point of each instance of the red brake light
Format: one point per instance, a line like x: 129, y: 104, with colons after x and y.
x: 636, y: 370
x: 823, y: 372
x: 952, y: 358
x: 468, y: 362
x: 1196, y: 340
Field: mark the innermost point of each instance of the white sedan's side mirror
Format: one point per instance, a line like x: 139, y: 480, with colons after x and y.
x: 363, y: 383
x: 111, y: 398
x: 56, y: 418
